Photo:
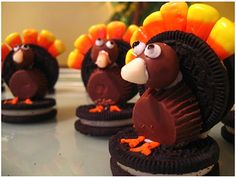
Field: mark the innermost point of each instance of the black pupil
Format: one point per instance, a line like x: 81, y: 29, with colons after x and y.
x: 135, y: 44
x: 99, y: 39
x: 111, y: 43
x: 151, y: 46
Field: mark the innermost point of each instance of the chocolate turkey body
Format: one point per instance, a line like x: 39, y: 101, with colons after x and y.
x: 168, y: 116
x: 168, y: 111
x: 107, y: 84
x: 27, y: 82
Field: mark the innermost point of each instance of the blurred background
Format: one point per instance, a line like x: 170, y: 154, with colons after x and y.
x: 68, y: 20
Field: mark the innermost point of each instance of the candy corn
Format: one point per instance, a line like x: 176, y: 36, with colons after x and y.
x: 200, y: 20
x: 83, y: 43
x: 140, y: 35
x: 221, y: 38
x: 174, y: 15
x: 116, y: 30
x: 45, y: 39
x: 97, y: 31
x: 130, y: 56
x: 30, y: 36
x: 13, y: 39
x: 56, y: 48
x: 154, y: 23
x: 129, y: 32
x: 5, y: 51
x: 75, y: 59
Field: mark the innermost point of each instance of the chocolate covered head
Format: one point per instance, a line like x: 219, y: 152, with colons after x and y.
x: 156, y: 65
x: 104, y: 52
x: 23, y: 56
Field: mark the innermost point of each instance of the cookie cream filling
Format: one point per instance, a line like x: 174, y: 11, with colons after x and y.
x: 110, y: 123
x: 31, y: 112
x: 140, y: 173
x: 229, y: 129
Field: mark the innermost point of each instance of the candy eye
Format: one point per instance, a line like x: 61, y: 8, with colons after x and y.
x: 99, y: 42
x: 138, y: 47
x: 25, y: 47
x: 110, y: 44
x: 16, y: 48
x: 152, y: 51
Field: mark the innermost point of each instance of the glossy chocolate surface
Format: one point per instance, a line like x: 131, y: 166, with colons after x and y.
x: 112, y: 51
x: 28, y: 84
x: 163, y: 69
x: 168, y: 116
x: 107, y: 84
x: 27, y: 57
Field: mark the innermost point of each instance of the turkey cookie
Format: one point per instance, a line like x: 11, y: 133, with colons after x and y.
x: 177, y: 58
x: 30, y: 70
x: 100, y: 55
x: 227, y: 131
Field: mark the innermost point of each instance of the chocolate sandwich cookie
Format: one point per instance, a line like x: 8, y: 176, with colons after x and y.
x: 227, y: 131
x: 103, y: 123
x: 197, y: 158
x: 25, y: 113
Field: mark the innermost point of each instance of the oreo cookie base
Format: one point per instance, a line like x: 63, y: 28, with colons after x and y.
x: 228, y: 134
x: 197, y: 158
x: 228, y: 130
x: 103, y: 123
x: 39, y: 110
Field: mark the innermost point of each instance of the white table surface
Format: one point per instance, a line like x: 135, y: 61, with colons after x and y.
x: 55, y: 148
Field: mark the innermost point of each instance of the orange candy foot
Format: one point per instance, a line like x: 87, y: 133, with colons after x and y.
x: 133, y: 142
x: 28, y: 101
x: 114, y: 108
x: 98, y: 108
x: 12, y: 101
x: 146, y: 148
